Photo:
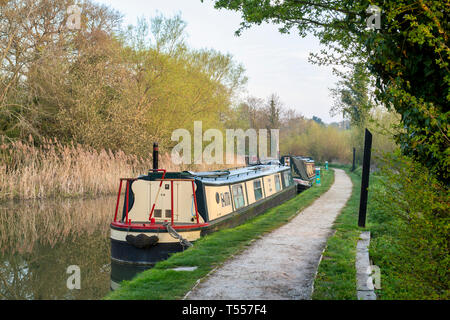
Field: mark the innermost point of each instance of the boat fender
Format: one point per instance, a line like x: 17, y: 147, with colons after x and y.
x: 142, y: 241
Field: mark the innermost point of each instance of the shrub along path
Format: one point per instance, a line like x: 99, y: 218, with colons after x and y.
x: 281, y: 265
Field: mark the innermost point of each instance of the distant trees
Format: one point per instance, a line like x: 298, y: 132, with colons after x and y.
x: 318, y: 120
x: 103, y: 86
x: 121, y: 89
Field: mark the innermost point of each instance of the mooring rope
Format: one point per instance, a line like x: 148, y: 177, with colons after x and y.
x: 174, y: 234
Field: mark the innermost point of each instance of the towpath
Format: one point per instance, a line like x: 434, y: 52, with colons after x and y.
x: 281, y: 265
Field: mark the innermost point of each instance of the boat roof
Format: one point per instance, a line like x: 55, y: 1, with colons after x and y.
x: 219, y: 177
x: 307, y: 159
x: 238, y: 174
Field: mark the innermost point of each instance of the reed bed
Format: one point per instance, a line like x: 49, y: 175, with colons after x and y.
x: 55, y: 170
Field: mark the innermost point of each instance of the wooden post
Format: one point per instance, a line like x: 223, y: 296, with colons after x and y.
x: 354, y: 162
x: 365, y: 179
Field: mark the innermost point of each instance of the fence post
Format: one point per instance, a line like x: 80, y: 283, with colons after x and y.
x: 354, y: 158
x: 365, y: 179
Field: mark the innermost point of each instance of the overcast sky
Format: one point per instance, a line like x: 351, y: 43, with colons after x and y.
x: 274, y: 62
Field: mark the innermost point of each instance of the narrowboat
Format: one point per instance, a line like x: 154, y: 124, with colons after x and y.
x: 166, y: 212
x: 302, y: 169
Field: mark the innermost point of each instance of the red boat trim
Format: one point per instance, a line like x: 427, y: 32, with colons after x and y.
x: 128, y: 189
x: 171, y: 202
x: 118, y: 200
x: 156, y: 198
x: 195, y: 200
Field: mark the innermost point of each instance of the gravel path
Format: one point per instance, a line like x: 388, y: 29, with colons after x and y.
x: 282, y: 264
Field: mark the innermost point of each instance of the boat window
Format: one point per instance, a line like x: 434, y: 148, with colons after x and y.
x: 158, y: 213
x: 226, y: 201
x: 277, y: 183
x: 287, y: 178
x: 258, y: 189
x: 168, y: 213
x: 269, y: 182
x: 238, y: 196
x: 218, y: 197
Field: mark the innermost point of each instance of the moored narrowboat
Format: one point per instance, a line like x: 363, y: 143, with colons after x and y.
x: 302, y: 169
x: 166, y: 212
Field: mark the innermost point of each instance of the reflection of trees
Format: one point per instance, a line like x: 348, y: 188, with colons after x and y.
x: 40, y: 240
x: 51, y: 222
x: 42, y: 273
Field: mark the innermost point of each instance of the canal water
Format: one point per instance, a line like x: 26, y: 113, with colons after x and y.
x: 41, y: 240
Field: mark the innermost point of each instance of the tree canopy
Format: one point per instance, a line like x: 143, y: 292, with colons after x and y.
x: 408, y: 56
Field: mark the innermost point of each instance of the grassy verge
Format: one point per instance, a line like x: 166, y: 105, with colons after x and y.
x: 336, y: 277
x: 212, y: 250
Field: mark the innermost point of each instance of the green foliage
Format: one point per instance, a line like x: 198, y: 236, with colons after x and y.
x: 323, y: 143
x: 408, y: 57
x: 352, y: 96
x: 409, y: 217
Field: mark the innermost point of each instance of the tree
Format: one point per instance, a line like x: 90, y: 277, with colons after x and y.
x: 318, y: 120
x: 352, y: 96
x: 408, y: 57
x: 273, y: 112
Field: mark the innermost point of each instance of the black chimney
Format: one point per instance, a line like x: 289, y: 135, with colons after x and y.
x: 155, y: 155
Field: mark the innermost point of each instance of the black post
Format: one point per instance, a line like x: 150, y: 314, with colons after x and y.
x: 354, y: 158
x: 365, y: 179
x: 155, y: 155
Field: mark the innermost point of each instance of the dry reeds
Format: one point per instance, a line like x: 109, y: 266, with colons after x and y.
x: 54, y: 170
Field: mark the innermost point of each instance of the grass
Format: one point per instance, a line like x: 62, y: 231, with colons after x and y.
x: 211, y: 251
x: 336, y: 277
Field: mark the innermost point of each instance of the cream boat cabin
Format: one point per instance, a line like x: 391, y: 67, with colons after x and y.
x: 162, y: 207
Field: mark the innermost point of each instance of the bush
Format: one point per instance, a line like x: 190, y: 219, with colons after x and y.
x: 409, y: 218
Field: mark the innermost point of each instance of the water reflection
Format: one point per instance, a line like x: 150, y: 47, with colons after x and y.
x: 122, y: 271
x: 40, y: 240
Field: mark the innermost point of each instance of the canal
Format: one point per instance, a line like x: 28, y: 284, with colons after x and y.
x: 40, y: 240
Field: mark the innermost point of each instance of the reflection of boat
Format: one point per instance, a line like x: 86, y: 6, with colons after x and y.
x: 124, y: 271
x: 302, y: 170
x: 163, y: 212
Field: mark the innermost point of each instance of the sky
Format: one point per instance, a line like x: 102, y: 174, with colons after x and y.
x: 274, y: 62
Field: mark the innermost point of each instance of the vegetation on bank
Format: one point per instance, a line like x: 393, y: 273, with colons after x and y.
x: 81, y: 108
x: 408, y: 219
x: 212, y: 250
